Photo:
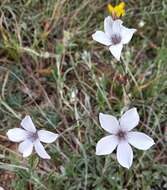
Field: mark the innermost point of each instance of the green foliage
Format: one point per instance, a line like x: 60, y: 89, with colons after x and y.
x: 51, y: 69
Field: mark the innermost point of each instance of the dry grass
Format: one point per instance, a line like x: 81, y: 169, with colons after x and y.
x: 51, y: 69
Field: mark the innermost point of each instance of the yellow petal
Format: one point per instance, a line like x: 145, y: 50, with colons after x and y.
x: 123, y: 12
x: 110, y: 8
x: 122, y: 5
x: 118, y: 10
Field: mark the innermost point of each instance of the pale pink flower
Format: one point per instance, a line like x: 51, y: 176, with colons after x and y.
x: 28, y: 137
x: 121, y: 137
x: 115, y: 35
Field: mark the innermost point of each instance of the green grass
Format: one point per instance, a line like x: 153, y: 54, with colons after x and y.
x: 47, y: 55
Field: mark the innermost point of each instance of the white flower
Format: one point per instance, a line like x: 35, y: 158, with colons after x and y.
x: 141, y: 23
x: 121, y: 136
x: 30, y: 137
x: 114, y: 36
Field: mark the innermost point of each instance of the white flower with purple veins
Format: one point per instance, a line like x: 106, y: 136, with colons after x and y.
x: 30, y: 137
x: 122, y: 136
x: 115, y: 35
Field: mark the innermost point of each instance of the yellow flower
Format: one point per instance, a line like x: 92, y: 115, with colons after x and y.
x: 118, y: 10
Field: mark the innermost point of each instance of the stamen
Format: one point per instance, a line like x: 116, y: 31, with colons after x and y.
x: 33, y: 136
x: 121, y: 135
x: 116, y: 39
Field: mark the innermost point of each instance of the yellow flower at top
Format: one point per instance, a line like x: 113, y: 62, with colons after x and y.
x: 117, y: 11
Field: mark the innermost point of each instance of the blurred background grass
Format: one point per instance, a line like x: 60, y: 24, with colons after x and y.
x: 51, y: 69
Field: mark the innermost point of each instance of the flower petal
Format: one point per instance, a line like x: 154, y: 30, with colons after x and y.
x: 116, y: 50
x: 27, y: 124
x: 102, y: 38
x: 106, y: 145
x: 109, y: 123
x: 112, y: 27
x: 127, y: 34
x: 47, y: 136
x: 116, y: 27
x: 129, y: 119
x: 124, y: 154
x: 140, y: 140
x: 17, y: 134
x: 39, y: 148
x: 108, y: 22
x: 26, y: 148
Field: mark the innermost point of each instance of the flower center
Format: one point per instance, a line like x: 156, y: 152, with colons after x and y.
x: 33, y: 136
x: 116, y: 39
x: 121, y: 135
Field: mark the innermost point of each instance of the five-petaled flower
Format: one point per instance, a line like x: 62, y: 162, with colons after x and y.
x: 115, y: 35
x: 30, y: 137
x: 121, y: 136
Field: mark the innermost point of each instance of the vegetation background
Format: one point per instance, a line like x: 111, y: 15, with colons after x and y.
x: 51, y: 69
